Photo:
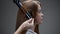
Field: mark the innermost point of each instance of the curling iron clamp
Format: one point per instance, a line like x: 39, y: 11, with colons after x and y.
x: 19, y: 4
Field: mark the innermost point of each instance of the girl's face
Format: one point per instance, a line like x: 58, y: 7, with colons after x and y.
x: 39, y: 15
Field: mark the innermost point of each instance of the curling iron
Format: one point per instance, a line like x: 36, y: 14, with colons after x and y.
x: 19, y: 4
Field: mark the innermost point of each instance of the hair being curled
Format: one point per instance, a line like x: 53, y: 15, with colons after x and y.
x: 21, y: 17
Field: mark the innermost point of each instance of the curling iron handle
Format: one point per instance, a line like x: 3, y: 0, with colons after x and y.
x: 17, y: 3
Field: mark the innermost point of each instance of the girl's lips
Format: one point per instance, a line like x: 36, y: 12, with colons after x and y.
x: 41, y: 18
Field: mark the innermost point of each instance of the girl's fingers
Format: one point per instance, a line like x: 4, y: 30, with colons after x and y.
x: 29, y: 20
x: 32, y: 21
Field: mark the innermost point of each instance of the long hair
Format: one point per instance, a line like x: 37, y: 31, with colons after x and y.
x: 21, y: 17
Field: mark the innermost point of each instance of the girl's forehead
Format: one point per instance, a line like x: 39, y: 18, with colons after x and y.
x: 39, y: 7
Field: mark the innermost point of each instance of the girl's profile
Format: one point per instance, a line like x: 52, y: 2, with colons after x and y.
x: 25, y: 25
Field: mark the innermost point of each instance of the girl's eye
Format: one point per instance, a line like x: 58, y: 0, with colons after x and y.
x: 39, y: 11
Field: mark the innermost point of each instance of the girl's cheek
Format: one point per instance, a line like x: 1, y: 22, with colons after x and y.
x: 38, y: 18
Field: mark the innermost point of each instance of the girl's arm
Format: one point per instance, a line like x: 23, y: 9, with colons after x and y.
x: 29, y: 24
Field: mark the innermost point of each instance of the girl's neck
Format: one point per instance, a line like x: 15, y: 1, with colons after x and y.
x: 33, y: 28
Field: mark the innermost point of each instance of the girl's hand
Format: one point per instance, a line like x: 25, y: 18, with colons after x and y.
x: 28, y: 24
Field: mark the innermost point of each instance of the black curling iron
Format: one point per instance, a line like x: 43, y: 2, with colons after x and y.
x: 19, y: 4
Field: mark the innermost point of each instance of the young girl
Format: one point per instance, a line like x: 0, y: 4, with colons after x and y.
x: 29, y: 26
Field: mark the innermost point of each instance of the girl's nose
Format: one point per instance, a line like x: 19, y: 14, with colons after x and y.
x: 42, y: 14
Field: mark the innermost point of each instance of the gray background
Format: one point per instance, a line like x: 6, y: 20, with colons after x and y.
x: 51, y: 22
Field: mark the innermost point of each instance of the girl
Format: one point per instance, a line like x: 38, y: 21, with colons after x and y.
x: 29, y: 26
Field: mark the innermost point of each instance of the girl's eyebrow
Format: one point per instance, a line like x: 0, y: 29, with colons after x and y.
x: 39, y: 10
